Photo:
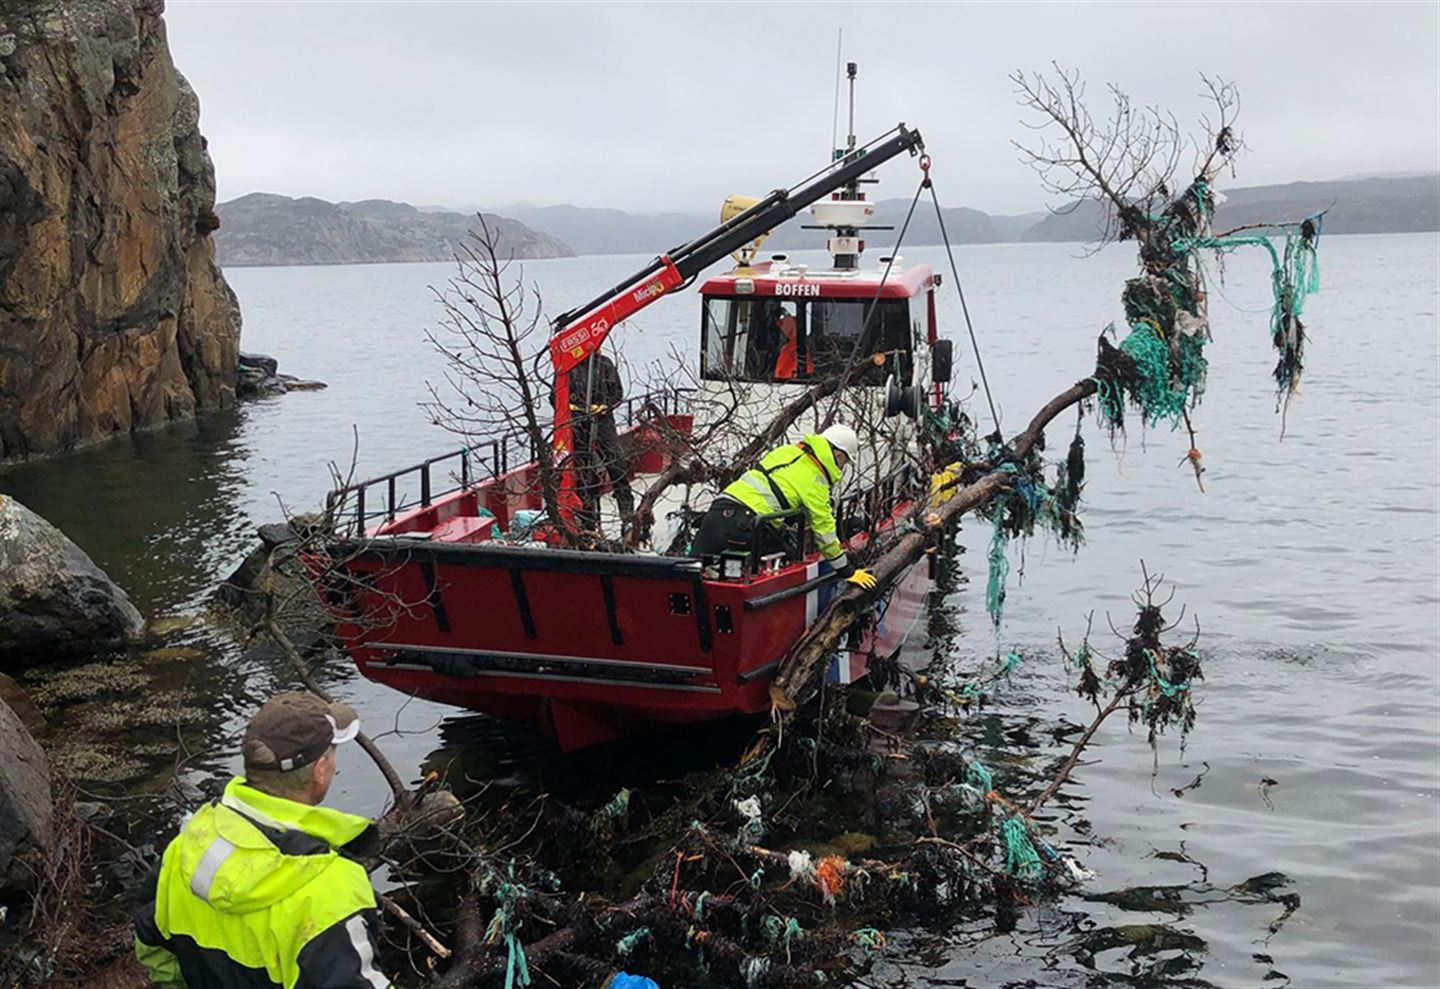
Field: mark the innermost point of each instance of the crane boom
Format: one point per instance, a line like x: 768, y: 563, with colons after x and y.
x: 579, y: 332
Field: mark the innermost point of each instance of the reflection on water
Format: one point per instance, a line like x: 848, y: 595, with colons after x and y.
x: 160, y: 511
x: 1311, y: 563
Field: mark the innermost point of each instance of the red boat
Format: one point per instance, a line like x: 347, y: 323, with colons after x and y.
x: 452, y: 601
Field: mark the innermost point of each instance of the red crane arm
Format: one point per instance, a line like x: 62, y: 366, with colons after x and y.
x: 579, y: 333
x: 579, y: 338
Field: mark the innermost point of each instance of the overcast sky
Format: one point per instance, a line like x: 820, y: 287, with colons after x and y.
x: 656, y: 107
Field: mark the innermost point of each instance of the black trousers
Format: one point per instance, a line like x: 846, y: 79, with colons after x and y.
x: 729, y: 525
x: 598, y: 456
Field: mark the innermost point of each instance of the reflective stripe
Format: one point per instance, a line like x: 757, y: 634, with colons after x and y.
x: 838, y: 562
x: 210, y: 863
x: 240, y: 807
x: 762, y: 486
x: 830, y: 545
x: 360, y: 941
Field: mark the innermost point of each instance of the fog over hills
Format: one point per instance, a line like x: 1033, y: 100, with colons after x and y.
x: 1377, y: 204
x: 1354, y: 206
x: 267, y: 229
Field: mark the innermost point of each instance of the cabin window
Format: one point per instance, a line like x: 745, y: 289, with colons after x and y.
x: 835, y: 328
x: 782, y: 340
x: 754, y: 340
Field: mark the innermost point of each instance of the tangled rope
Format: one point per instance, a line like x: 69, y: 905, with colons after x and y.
x: 1160, y: 366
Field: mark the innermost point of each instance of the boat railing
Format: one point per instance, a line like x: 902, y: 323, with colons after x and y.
x: 793, y: 541
x: 881, y: 497
x: 354, y: 508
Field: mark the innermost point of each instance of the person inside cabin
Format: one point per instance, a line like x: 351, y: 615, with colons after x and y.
x: 595, y: 391
x: 787, y: 364
x: 264, y: 886
x: 796, y: 475
x: 764, y: 341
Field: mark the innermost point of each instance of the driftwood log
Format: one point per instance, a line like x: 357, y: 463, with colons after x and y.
x: 814, y: 648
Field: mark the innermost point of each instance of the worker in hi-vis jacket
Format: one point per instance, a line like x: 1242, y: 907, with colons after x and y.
x: 796, y: 475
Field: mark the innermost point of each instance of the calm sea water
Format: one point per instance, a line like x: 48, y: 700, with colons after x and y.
x: 1311, y: 563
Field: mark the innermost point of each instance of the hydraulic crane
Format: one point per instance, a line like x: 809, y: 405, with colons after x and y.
x: 579, y: 332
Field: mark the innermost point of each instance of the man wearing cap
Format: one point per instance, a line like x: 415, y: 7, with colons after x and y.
x: 257, y: 889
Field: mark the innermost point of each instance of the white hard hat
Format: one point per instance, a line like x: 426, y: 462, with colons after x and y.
x: 843, y: 439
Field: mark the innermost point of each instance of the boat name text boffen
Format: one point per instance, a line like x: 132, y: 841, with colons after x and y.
x: 796, y: 288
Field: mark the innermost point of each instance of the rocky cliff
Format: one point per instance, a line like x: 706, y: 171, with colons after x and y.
x: 113, y: 315
x: 263, y: 228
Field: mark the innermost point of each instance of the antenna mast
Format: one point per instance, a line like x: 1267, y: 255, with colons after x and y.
x: 835, y: 113
x: 850, y: 72
x: 845, y: 246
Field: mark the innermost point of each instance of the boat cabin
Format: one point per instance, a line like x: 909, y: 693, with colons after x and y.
x: 780, y: 323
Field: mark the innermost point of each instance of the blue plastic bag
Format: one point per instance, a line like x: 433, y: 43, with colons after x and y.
x: 623, y: 981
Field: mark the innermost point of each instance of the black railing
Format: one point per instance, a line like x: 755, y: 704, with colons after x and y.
x: 785, y: 534
x: 387, y: 496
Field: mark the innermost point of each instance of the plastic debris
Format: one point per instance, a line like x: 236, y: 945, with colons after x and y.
x: 830, y: 878
x: 870, y: 939
x: 1077, y: 872
x: 752, y: 827
x: 802, y: 865
x: 623, y: 980
x: 627, y: 944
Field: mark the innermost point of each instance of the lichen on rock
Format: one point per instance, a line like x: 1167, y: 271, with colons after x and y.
x: 113, y: 314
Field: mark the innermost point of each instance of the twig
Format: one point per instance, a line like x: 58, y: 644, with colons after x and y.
x: 398, y: 912
x: 1079, y: 747
x: 397, y: 787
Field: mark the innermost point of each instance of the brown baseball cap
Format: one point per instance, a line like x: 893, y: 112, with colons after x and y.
x: 293, y: 730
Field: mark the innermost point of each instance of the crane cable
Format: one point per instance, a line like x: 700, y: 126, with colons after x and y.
x: 925, y: 183
x: 873, y: 309
x: 955, y: 273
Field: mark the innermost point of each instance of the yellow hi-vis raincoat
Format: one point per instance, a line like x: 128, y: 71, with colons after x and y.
x: 254, y: 892
x: 797, y: 475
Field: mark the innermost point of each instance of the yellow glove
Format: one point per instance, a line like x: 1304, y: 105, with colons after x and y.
x: 863, y: 579
x: 943, y: 483
x: 598, y: 409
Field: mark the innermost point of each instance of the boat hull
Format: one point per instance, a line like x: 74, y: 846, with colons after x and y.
x: 588, y: 647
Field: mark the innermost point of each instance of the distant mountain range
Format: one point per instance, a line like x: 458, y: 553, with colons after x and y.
x: 1355, y: 206
x: 1375, y: 204
x: 612, y: 231
x: 266, y: 229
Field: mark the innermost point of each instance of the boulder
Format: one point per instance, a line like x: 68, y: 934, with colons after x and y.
x: 246, y: 589
x: 293, y: 383
x: 260, y: 362
x: 255, y: 383
x: 27, y: 831
x: 259, y: 376
x: 54, y: 601
x: 19, y: 700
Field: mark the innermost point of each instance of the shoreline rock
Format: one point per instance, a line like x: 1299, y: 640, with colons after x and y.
x: 54, y: 601
x: 18, y: 699
x: 27, y: 808
x: 259, y: 376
